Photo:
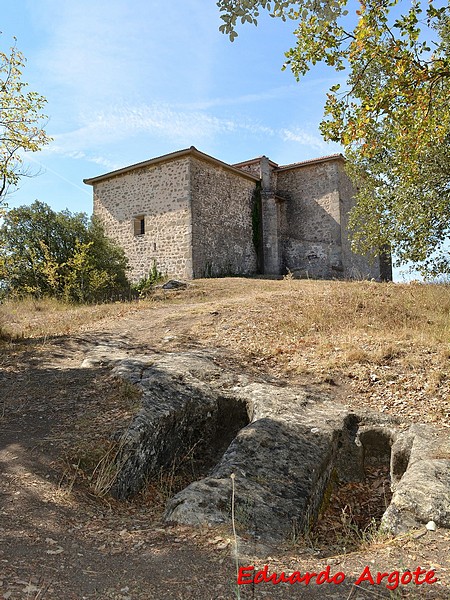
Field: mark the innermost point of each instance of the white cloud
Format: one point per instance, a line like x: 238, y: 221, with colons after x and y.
x: 279, y: 92
x: 60, y: 150
x: 117, y: 124
x: 302, y: 137
x: 118, y: 71
x: 282, y: 92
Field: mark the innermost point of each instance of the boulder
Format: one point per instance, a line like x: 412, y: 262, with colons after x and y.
x: 174, y: 284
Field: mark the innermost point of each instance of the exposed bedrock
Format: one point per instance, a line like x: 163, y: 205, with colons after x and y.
x: 183, y: 406
x: 420, y: 476
x: 286, y: 446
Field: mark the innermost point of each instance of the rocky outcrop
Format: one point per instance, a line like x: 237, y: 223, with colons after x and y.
x: 182, y: 407
x: 285, y: 446
x: 420, y: 475
x: 282, y: 461
x: 174, y: 284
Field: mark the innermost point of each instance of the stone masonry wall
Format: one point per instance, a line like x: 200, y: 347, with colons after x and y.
x: 355, y: 266
x: 311, y: 224
x: 254, y: 168
x: 161, y: 194
x: 221, y: 221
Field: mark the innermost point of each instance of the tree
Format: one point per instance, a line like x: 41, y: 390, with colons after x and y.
x: 62, y: 255
x: 20, y: 119
x: 392, y: 117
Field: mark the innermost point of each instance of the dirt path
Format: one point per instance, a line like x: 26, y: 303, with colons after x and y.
x: 59, y: 542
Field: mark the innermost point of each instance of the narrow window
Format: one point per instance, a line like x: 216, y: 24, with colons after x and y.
x: 139, y: 225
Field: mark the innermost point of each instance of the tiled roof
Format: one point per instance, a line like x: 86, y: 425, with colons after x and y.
x: 237, y: 167
x: 312, y: 161
x: 254, y: 160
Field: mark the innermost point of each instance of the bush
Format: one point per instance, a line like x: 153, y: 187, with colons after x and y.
x: 145, y: 285
x: 63, y: 255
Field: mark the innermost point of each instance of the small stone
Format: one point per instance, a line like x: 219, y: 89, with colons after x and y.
x: 223, y: 545
x: 173, y: 284
x: 30, y: 589
x: 216, y: 540
x: 57, y: 550
x: 51, y: 541
x: 431, y: 526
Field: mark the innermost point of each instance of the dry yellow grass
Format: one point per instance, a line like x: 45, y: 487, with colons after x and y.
x: 31, y: 318
x: 389, y: 343
x: 341, y: 323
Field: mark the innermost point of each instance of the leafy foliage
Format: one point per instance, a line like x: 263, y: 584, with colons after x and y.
x: 62, y: 255
x: 20, y: 119
x: 145, y: 286
x: 257, y: 225
x: 392, y: 115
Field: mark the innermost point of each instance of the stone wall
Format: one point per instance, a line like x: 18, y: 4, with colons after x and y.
x: 264, y: 169
x: 196, y: 217
x: 312, y: 230
x: 314, y: 226
x: 253, y: 167
x: 221, y: 221
x: 160, y: 193
x: 355, y: 266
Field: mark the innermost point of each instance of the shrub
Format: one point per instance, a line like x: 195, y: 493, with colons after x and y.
x: 145, y: 285
x: 63, y: 255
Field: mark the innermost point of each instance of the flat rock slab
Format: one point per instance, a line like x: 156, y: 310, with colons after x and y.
x: 282, y: 462
x: 422, y: 490
x: 284, y: 446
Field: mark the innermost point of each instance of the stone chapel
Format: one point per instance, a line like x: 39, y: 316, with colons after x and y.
x: 195, y: 216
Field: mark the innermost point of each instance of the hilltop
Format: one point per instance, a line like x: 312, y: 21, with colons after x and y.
x: 377, y: 347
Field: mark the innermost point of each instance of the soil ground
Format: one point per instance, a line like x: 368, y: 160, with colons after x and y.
x: 60, y: 540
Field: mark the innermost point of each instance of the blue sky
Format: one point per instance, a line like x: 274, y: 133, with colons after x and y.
x: 129, y: 81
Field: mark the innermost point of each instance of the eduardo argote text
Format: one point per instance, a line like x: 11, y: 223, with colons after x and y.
x: 391, y: 580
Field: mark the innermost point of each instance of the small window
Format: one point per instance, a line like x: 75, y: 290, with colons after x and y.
x: 139, y: 225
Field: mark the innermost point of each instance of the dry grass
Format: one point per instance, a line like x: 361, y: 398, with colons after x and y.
x: 358, y: 321
x: 91, y: 446
x: 385, y: 345
x: 45, y: 318
x: 348, y: 312
x: 388, y: 342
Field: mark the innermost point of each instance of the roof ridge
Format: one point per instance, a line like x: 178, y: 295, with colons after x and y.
x: 192, y: 150
x: 254, y: 160
x: 312, y: 160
